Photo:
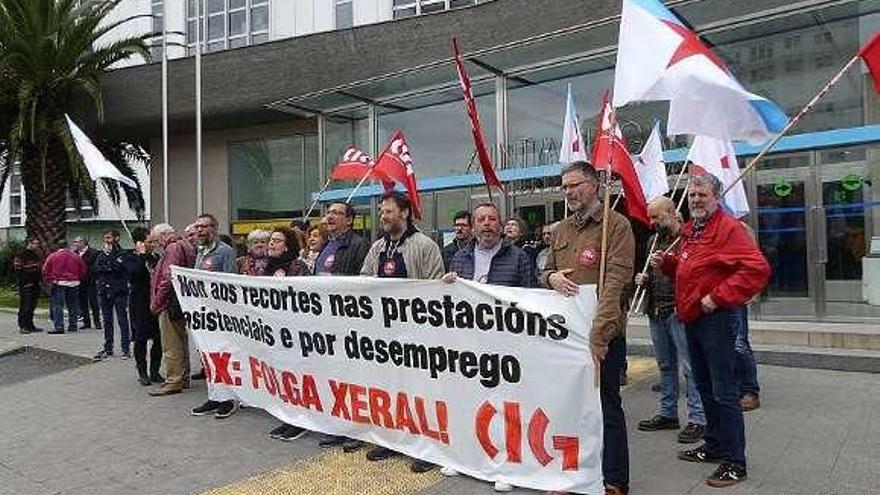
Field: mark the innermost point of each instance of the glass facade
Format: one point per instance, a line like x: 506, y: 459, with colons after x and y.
x: 229, y: 23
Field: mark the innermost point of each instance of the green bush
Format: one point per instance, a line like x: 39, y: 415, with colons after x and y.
x: 8, y: 250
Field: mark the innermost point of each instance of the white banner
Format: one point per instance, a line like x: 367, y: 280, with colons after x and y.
x: 495, y: 382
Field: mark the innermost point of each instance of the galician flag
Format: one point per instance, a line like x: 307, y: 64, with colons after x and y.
x: 96, y: 164
x: 716, y: 156
x: 651, y: 168
x: 660, y: 59
x: 572, y: 149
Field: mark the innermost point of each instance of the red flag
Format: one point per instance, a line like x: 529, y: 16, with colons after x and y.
x: 396, y: 163
x: 870, y: 53
x: 610, y: 149
x: 353, y: 165
x: 476, y: 129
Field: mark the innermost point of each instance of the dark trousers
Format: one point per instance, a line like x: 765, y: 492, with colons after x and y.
x: 28, y: 295
x: 145, y: 328
x: 746, y: 367
x: 63, y: 295
x: 615, y: 452
x: 711, y: 341
x: 88, y: 303
x: 117, y: 300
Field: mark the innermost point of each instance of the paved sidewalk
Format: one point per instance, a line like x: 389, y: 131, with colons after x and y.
x: 92, y: 429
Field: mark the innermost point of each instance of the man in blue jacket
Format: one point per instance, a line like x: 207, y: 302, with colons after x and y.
x: 112, y: 281
x: 492, y: 259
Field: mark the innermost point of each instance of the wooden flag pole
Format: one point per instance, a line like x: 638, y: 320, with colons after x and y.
x: 791, y: 123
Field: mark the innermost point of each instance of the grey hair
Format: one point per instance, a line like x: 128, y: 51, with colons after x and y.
x: 162, y: 229
x: 257, y: 235
x: 708, y: 180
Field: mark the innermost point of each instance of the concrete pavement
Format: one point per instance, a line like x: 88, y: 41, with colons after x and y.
x: 91, y: 429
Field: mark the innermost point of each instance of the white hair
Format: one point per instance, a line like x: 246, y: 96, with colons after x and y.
x: 162, y: 229
x: 257, y: 235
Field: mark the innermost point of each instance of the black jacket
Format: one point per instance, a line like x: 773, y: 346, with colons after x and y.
x: 511, y: 266
x: 450, y: 249
x: 350, y: 254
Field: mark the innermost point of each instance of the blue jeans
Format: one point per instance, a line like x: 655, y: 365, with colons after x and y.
x: 109, y: 301
x: 60, y: 296
x: 615, y: 452
x: 746, y: 367
x: 670, y: 348
x: 711, y: 341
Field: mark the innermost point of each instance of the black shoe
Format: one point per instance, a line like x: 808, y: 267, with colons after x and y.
x: 125, y: 355
x: 55, y: 332
x: 727, y: 474
x: 226, y: 408
x: 85, y: 326
x: 692, y: 433
x: 24, y: 331
x: 331, y: 441
x: 102, y: 354
x: 658, y: 423
x: 699, y: 454
x: 380, y: 454
x: 72, y: 330
x: 209, y: 407
x: 144, y: 380
x: 275, y: 433
x: 36, y: 329
x: 157, y: 378
x: 351, y: 445
x: 291, y: 433
x: 420, y: 466
x: 97, y: 327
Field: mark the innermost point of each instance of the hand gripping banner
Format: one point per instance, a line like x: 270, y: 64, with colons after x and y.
x: 495, y: 382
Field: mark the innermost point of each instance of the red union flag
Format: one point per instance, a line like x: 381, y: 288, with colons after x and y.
x: 353, y: 165
x: 476, y: 129
x: 395, y: 163
x: 870, y: 54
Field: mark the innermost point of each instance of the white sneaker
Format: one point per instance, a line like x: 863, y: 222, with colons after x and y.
x: 448, y: 471
x: 501, y: 486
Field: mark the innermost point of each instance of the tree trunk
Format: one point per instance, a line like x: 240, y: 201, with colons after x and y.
x: 46, y: 200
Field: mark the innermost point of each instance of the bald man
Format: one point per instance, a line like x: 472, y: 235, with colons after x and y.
x: 668, y: 335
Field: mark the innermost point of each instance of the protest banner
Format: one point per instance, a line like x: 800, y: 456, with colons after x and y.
x: 493, y: 381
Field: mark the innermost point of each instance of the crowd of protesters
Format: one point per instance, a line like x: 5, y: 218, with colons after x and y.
x: 701, y: 278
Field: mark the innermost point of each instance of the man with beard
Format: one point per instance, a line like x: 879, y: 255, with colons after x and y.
x: 667, y: 334
x: 463, y: 237
x: 575, y: 260
x: 401, y: 252
x: 717, y: 269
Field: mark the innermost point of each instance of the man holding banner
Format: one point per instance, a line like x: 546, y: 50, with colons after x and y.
x: 575, y: 260
x: 402, y: 252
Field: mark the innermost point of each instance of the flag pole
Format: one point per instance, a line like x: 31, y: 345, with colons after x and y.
x: 317, y: 198
x: 791, y: 123
x: 359, y: 184
x: 166, y: 196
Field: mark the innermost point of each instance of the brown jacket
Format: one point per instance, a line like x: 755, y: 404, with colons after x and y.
x: 578, y: 245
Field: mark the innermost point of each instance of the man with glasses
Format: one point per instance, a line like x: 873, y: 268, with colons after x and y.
x: 343, y: 254
x: 213, y: 255
x: 548, y: 233
x: 463, y: 237
x: 575, y: 260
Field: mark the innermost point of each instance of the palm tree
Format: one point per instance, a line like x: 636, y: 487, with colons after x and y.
x: 52, y: 53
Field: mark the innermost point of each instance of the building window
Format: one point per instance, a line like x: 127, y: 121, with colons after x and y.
x: 344, y: 14
x: 409, y: 8
x: 16, y: 193
x: 158, y: 20
x: 229, y: 23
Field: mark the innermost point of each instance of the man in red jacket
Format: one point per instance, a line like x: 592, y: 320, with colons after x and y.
x: 64, y: 270
x: 717, y: 269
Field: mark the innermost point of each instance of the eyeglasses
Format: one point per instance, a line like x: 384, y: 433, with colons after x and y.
x: 461, y: 225
x: 335, y: 213
x: 573, y: 185
x: 277, y: 239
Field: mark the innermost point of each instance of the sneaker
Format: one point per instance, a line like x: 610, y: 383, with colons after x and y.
x: 144, y: 380
x: 692, y: 433
x: 420, y: 466
x: 351, y: 445
x: 209, y: 407
x: 448, y: 471
x: 291, y: 433
x: 55, y: 332
x: 24, y: 331
x: 125, y: 355
x: 102, y: 354
x: 275, y: 434
x: 727, y: 474
x: 658, y: 423
x: 750, y: 402
x: 699, y: 454
x: 36, y: 329
x: 331, y: 441
x: 380, y: 454
x: 501, y: 486
x: 226, y: 408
